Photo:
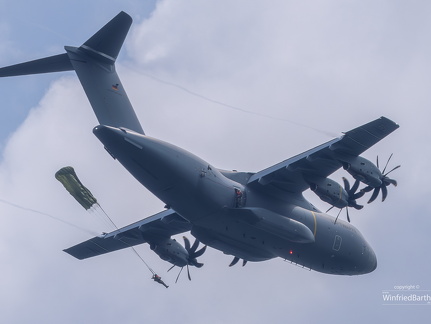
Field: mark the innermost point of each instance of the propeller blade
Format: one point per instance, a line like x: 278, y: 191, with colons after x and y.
x: 170, y: 268
x: 347, y: 212
x: 391, y: 181
x: 346, y: 184
x: 198, y: 265
x: 374, y: 195
x: 179, y: 274
x: 355, y: 187
x: 367, y: 189
x: 197, y: 254
x: 356, y: 206
x: 244, y: 262
x: 338, y: 215
x: 359, y: 194
x: 194, y: 246
x: 330, y: 208
x: 234, y: 261
x: 398, y: 166
x: 188, y: 273
x: 384, y: 169
x: 384, y: 192
x: 186, y: 243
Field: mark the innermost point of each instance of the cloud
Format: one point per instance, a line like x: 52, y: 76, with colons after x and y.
x: 328, y: 66
x: 4, y: 41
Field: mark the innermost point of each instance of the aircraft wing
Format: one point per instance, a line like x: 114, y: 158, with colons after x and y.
x: 153, y: 228
x: 291, y: 175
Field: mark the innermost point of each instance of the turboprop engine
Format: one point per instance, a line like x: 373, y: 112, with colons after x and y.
x: 334, y: 194
x: 363, y: 170
x: 173, y: 252
x: 367, y: 172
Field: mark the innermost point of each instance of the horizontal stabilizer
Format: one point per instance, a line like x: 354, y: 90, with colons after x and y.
x: 108, y: 40
x: 57, y: 63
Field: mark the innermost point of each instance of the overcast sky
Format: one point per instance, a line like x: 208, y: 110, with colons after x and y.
x: 304, y: 71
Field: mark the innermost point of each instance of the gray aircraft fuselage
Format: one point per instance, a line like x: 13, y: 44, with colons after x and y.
x: 206, y: 197
x: 226, y: 211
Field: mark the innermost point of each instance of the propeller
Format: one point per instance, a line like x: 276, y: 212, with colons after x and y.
x: 386, y: 181
x: 352, y: 195
x: 235, y: 261
x: 192, y: 258
x: 193, y: 254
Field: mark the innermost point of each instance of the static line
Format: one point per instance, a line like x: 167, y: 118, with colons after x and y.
x: 48, y: 215
x: 220, y: 103
x: 133, y: 248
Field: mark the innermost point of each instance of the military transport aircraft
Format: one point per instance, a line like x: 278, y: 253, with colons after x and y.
x: 250, y: 216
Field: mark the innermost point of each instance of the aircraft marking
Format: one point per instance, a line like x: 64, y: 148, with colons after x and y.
x: 315, y: 223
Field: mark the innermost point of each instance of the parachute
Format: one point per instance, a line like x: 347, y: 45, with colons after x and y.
x: 67, y: 176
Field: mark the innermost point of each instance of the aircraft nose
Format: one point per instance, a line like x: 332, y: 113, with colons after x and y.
x: 370, y: 259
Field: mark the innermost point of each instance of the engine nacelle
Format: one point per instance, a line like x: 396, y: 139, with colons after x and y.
x: 172, y: 251
x: 363, y: 170
x: 331, y: 192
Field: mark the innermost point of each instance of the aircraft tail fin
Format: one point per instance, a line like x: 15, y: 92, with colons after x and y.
x: 94, y: 63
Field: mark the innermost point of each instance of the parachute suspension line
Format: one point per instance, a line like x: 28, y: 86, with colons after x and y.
x: 133, y: 248
x: 142, y: 259
x: 139, y: 256
x: 69, y: 179
x: 95, y: 211
x: 104, y: 212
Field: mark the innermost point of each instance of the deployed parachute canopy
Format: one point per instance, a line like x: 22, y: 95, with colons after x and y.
x: 70, y: 181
